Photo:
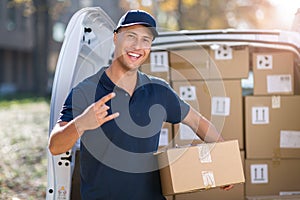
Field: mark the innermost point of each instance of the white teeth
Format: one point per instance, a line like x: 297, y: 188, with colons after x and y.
x: 134, y: 55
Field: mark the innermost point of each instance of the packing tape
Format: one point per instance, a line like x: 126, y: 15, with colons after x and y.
x: 208, y: 179
x: 204, y: 153
x: 276, y: 157
x: 276, y: 102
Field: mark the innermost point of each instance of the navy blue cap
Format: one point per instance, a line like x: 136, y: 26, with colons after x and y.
x: 135, y: 17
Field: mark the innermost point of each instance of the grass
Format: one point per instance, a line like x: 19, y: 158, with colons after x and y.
x: 9, y: 100
x: 24, y: 135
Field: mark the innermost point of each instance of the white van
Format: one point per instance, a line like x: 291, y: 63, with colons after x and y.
x: 88, y: 46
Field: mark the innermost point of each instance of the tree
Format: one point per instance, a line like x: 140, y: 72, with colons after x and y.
x: 215, y: 14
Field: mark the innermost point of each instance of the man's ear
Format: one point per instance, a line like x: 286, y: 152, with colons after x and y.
x: 115, y: 37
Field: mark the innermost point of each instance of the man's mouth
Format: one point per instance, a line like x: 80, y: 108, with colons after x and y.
x: 134, y: 56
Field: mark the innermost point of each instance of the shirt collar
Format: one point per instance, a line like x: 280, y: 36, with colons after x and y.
x: 109, y: 85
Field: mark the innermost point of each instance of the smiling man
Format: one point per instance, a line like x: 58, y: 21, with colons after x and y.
x: 118, y: 114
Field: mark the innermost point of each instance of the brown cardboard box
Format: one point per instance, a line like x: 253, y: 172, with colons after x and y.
x: 273, y: 73
x: 272, y: 177
x: 272, y: 128
x: 297, y: 79
x: 157, y: 65
x: 169, y: 197
x: 276, y: 197
x: 217, y: 100
x: 166, y: 136
x: 200, y: 167
x: 236, y: 193
x: 203, y: 63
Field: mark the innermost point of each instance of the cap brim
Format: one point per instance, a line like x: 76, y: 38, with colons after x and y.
x: 153, y: 30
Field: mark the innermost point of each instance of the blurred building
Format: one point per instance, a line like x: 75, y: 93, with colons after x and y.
x: 17, y: 48
x: 31, y: 34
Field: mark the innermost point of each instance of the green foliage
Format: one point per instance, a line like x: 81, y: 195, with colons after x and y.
x: 11, y: 100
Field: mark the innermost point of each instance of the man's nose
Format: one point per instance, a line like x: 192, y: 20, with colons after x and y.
x: 138, y: 44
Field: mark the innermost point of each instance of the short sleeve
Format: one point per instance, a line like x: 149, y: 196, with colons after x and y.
x: 74, y: 105
x: 177, y: 109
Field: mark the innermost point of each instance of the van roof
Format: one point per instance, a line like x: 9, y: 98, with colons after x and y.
x: 278, y: 39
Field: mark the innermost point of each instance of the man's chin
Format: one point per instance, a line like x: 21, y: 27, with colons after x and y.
x: 134, y: 66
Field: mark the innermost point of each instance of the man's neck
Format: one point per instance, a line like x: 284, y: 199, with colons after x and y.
x: 124, y: 79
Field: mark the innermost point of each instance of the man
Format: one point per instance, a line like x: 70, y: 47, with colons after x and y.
x: 118, y: 113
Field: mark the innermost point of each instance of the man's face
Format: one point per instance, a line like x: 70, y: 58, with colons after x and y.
x: 132, y: 46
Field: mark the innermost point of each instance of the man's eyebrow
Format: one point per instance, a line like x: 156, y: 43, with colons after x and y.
x: 145, y: 36
x: 131, y: 32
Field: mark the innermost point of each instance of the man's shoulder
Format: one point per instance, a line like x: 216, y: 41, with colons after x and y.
x: 146, y: 78
x: 92, y: 80
x: 88, y: 86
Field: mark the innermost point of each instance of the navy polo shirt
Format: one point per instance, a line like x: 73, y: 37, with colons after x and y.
x: 116, y: 159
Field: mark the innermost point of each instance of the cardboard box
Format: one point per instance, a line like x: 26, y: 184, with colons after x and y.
x: 273, y: 73
x: 169, y: 197
x: 274, y: 197
x: 166, y: 136
x: 236, y: 193
x: 205, y: 63
x: 220, y: 101
x: 272, y: 177
x: 297, y: 79
x: 272, y: 128
x: 200, y: 167
x: 157, y: 65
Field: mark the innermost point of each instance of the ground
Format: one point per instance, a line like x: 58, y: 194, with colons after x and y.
x: 23, y: 141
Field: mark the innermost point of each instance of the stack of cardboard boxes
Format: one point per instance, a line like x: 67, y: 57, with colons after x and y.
x: 209, y: 79
x: 272, y: 128
x: 265, y: 122
x: 157, y: 65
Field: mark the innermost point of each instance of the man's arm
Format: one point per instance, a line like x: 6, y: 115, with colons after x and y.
x: 63, y: 137
x: 65, y: 134
x: 202, y: 127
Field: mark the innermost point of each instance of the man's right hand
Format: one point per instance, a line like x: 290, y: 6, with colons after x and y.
x: 95, y: 115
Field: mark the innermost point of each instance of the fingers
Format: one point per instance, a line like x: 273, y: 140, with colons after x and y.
x: 103, y: 117
x: 226, y: 187
x: 110, y: 117
x: 101, y: 109
x: 105, y: 99
x: 101, y: 112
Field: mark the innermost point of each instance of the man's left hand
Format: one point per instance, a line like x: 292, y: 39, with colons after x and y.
x: 227, y: 187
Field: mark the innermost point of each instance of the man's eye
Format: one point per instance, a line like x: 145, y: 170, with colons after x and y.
x: 131, y: 36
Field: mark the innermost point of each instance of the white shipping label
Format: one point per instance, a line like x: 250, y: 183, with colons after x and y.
x: 159, y: 61
x: 259, y: 173
x: 264, y: 62
x: 224, y: 52
x: 188, y: 93
x: 186, y: 133
x: 208, y: 179
x: 204, y: 153
x: 283, y: 193
x: 289, y: 139
x: 164, y: 137
x: 260, y: 115
x: 279, y: 83
x: 220, y: 106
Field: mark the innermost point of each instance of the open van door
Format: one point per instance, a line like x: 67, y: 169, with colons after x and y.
x: 88, y: 46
